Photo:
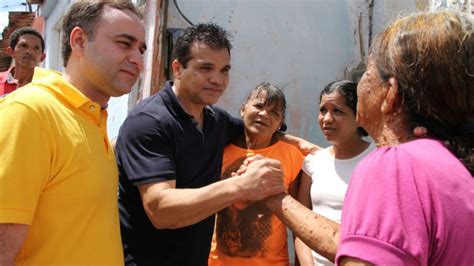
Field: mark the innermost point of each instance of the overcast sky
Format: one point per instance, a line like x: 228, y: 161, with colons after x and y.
x: 5, y: 7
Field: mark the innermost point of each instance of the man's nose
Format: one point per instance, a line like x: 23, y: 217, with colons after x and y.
x: 136, y: 57
x: 217, y: 78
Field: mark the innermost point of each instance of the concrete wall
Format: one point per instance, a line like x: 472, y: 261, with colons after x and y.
x: 300, y: 45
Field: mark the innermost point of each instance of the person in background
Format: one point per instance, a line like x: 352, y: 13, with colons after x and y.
x: 247, y: 233
x: 27, y: 50
x: 58, y: 176
x: 409, y: 202
x: 326, y: 173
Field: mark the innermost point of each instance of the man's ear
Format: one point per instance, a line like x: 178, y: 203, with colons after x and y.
x: 77, y: 40
x: 391, y: 100
x: 177, y: 68
x: 43, y: 56
x: 9, y: 51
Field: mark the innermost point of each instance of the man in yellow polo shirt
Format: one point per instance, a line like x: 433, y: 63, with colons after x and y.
x: 58, y: 177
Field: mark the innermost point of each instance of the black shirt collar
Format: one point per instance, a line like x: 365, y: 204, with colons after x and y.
x: 170, y: 100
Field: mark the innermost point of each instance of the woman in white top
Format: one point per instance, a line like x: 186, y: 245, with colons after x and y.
x: 326, y: 173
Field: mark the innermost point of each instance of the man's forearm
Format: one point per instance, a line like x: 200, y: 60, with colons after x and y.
x: 176, y: 208
x: 169, y: 207
x: 318, y: 232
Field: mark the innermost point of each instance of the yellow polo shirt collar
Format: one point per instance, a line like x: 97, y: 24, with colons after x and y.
x: 54, y: 82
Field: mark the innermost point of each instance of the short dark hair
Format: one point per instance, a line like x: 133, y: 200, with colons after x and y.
x: 275, y: 96
x: 348, y: 90
x: 85, y: 14
x: 210, y: 34
x: 15, y: 36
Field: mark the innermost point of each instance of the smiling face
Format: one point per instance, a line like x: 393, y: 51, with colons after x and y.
x: 113, y: 59
x: 27, y: 52
x: 205, y: 77
x: 336, y: 119
x: 261, y: 119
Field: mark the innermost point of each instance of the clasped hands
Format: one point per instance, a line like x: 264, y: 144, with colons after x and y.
x: 261, y: 177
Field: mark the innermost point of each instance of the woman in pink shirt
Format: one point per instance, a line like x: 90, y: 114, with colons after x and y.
x: 411, y: 201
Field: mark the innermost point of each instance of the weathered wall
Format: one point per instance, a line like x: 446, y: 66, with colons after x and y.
x: 300, y: 45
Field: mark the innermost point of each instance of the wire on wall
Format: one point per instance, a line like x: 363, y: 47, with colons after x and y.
x: 181, y: 13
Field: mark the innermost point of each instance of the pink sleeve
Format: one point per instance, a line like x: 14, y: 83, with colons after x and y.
x: 374, y: 228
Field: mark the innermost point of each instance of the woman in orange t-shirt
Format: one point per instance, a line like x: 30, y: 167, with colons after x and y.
x: 247, y: 233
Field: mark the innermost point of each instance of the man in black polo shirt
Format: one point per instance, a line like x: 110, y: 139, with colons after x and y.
x: 169, y: 154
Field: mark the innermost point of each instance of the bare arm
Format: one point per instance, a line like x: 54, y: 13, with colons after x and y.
x: 303, y: 145
x: 303, y: 252
x: 294, y: 187
x: 293, y: 191
x: 170, y: 207
x: 318, y: 232
x: 12, y: 237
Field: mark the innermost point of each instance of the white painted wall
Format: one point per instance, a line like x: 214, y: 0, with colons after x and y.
x: 53, y: 11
